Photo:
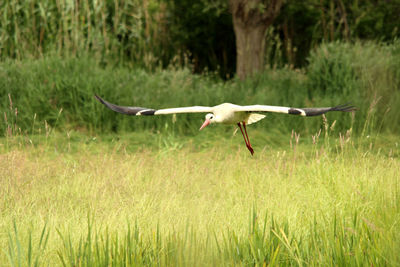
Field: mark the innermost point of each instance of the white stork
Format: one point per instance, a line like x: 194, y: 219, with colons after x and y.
x: 228, y: 113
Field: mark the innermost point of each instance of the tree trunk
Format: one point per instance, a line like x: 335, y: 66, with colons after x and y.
x: 251, y: 19
x: 250, y: 47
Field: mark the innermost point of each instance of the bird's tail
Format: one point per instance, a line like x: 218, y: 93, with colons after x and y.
x: 254, y: 117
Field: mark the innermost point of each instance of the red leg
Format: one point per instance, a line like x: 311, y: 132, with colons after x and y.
x: 240, y: 127
x: 248, y: 139
x: 245, y: 140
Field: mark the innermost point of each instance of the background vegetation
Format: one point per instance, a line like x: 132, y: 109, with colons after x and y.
x: 154, y: 33
x: 144, y: 53
x: 60, y: 92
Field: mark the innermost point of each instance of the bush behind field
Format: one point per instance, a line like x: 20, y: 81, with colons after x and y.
x: 60, y: 92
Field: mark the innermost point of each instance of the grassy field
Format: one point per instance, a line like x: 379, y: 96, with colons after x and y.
x: 111, y: 200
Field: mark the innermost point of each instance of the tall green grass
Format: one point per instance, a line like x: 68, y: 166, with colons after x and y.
x: 60, y: 92
x: 365, y: 72
x: 80, y: 201
x: 112, y: 31
x: 339, y: 242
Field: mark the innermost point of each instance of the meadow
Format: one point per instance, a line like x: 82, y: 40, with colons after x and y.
x: 117, y: 200
x: 83, y: 186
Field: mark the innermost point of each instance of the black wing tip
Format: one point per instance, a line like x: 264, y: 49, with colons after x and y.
x: 107, y: 104
x: 111, y: 106
x: 345, y: 108
x: 126, y: 110
x: 319, y: 111
x: 101, y: 100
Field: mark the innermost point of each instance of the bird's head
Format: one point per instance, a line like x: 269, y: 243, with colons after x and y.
x: 210, y: 118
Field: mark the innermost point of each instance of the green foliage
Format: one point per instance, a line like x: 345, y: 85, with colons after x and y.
x: 304, y: 25
x: 366, y: 74
x: 29, y: 254
x: 198, y: 34
x: 340, y: 242
x: 112, y: 31
x: 54, y: 92
x: 203, y: 31
x: 148, y: 34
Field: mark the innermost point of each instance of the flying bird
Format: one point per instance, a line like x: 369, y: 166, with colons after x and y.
x: 228, y: 113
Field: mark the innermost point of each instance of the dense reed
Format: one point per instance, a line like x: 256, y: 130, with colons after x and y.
x: 109, y: 30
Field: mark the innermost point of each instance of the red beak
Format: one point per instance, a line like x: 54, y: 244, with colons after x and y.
x: 206, y: 122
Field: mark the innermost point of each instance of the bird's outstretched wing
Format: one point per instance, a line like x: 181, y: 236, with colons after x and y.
x: 137, y: 111
x: 297, y: 111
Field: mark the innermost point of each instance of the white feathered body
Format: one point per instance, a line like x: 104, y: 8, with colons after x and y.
x: 227, y: 113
